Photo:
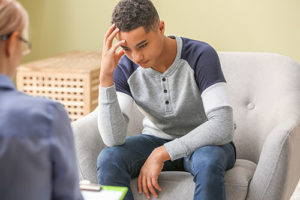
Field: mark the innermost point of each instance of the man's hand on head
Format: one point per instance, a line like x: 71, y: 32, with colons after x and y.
x: 110, y: 58
x: 148, y: 177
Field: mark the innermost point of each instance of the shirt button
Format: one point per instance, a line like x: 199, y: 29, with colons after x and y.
x: 165, y: 91
x: 163, y: 79
x: 167, y: 102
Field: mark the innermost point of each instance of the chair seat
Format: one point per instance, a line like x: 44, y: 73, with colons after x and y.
x: 180, y: 185
x: 238, y: 179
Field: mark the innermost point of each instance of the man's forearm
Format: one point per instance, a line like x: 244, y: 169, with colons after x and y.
x: 218, y: 130
x: 112, y: 124
x: 106, y: 80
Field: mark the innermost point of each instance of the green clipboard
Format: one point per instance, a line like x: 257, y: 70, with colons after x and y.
x: 116, y: 188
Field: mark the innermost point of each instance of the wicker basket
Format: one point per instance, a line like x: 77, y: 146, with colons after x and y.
x: 71, y: 78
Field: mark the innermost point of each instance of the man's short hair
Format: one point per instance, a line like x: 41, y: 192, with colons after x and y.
x: 131, y: 14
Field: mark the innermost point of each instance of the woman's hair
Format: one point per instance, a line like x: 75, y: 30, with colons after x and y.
x: 131, y: 14
x: 13, y: 17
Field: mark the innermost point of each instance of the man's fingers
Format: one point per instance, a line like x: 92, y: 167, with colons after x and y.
x: 151, y: 188
x: 119, y: 55
x: 118, y: 44
x: 145, y: 188
x: 109, y: 40
x: 140, y: 184
x: 155, y: 184
x: 109, y: 31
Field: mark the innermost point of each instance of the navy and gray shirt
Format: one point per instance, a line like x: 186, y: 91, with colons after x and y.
x: 186, y: 104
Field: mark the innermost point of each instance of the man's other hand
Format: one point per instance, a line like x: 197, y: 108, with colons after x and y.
x: 148, y: 178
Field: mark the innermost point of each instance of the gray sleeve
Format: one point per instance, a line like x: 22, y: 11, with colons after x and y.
x: 218, y: 130
x: 112, y: 124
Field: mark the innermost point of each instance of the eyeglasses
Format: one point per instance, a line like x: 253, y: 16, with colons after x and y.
x: 26, y: 46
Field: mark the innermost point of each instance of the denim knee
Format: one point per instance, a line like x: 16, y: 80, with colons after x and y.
x: 209, y: 174
x: 110, y: 162
x: 109, y: 156
x: 102, y: 158
x: 208, y: 160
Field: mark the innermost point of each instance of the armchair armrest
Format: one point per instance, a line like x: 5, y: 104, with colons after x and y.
x: 277, y: 172
x: 88, y: 144
x: 88, y: 141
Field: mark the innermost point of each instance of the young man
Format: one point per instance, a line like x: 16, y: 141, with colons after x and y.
x: 179, y: 86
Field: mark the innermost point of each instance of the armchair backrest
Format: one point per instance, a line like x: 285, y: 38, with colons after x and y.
x: 264, y: 90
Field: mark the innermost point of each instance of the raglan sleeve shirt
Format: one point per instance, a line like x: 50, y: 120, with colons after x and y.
x: 115, y: 103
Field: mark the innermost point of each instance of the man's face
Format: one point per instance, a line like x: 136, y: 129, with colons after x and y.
x: 143, y: 48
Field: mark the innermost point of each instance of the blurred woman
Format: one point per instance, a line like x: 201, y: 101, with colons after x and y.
x: 37, y: 156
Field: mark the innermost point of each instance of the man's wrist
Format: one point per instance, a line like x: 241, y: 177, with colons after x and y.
x: 106, y: 80
x: 161, y: 154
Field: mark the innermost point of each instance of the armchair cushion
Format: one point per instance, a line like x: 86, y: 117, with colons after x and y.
x: 180, y: 185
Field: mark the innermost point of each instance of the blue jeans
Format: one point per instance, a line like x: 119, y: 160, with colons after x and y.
x: 117, y: 165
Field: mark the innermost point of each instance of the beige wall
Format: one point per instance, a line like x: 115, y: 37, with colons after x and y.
x: 229, y: 25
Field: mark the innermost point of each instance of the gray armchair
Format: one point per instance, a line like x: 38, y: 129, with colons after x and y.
x: 264, y: 90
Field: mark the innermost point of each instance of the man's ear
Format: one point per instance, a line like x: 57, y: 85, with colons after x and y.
x: 161, y: 27
x: 10, y: 45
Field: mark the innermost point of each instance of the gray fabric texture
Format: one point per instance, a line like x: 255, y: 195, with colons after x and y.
x: 88, y: 145
x: 238, y: 178
x: 278, y: 171
x: 174, y: 105
x: 88, y: 142
x: 176, y: 185
x: 112, y: 125
x: 180, y: 185
x: 264, y: 91
x: 212, y: 132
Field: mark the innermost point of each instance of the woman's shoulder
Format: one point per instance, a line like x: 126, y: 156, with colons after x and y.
x: 33, y: 114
